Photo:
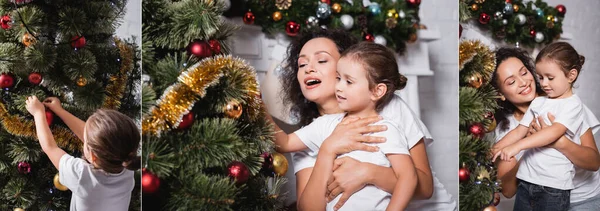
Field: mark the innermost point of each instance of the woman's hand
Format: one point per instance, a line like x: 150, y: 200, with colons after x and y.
x: 52, y: 103
x: 349, y: 175
x: 34, y: 106
x: 348, y: 136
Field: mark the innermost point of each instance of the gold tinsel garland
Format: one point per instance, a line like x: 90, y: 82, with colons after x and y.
x: 470, y: 49
x: 180, y: 97
x: 116, y: 86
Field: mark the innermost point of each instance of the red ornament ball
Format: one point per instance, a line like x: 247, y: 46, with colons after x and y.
x: 509, y: 1
x: 6, y: 80
x: 463, y: 174
x: 199, y: 49
x: 292, y: 28
x: 326, y: 2
x: 238, y: 171
x: 35, y: 78
x: 532, y: 33
x: 5, y: 22
x: 477, y: 130
x: 150, y: 182
x: 484, y: 18
x: 369, y: 37
x: 249, y: 18
x: 413, y: 3
x: 215, y: 46
x: 24, y: 167
x: 267, y: 165
x: 78, y: 42
x: 186, y: 121
x: 49, y: 117
x: 562, y: 10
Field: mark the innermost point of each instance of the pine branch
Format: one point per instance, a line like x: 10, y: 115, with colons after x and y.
x: 39, y: 58
x: 148, y: 98
x: 202, y: 192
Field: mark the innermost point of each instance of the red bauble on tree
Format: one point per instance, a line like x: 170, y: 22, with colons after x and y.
x: 150, y: 182
x: 562, y: 10
x: 215, y: 46
x: 413, y: 3
x: 78, y: 42
x: 477, y: 130
x: 5, y: 22
x: 369, y: 37
x: 24, y: 167
x: 49, y: 117
x: 238, y: 171
x: 35, y: 78
x: 267, y: 166
x: 249, y: 18
x: 199, y: 49
x: 532, y: 33
x: 292, y: 28
x: 484, y: 18
x: 186, y: 121
x: 6, y: 81
x: 463, y: 174
x: 326, y: 2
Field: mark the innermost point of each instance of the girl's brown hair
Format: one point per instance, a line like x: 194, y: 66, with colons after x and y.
x: 381, y: 66
x: 564, y: 55
x: 114, y: 139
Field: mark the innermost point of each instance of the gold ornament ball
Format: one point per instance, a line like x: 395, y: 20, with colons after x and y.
x: 550, y: 18
x: 412, y: 38
x: 277, y: 16
x: 19, y: 209
x: 336, y: 8
x: 492, y: 125
x: 280, y: 164
x: 490, y: 208
x: 515, y: 8
x: 476, y: 80
x: 58, y: 185
x: 474, y: 7
x: 28, y: 40
x: 233, y: 110
x: 392, y: 13
x: 81, y: 81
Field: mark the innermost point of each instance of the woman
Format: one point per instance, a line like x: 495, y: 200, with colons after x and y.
x: 513, y: 77
x: 308, y: 82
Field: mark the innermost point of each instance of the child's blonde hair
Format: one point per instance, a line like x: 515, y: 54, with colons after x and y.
x: 114, y: 139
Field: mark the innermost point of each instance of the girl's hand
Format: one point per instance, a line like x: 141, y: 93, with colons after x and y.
x: 53, y: 103
x: 348, y: 136
x: 349, y: 176
x: 507, y: 153
x: 558, y: 144
x: 34, y: 106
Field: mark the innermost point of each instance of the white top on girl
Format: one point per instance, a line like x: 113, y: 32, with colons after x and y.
x: 414, y: 130
x: 547, y: 166
x: 587, y: 183
x: 89, y: 184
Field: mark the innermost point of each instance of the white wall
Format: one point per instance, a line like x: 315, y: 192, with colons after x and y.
x: 438, y: 94
x: 131, y: 25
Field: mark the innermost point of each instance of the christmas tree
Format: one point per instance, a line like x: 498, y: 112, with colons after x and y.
x: 477, y: 175
x: 207, y: 143
x: 65, y: 49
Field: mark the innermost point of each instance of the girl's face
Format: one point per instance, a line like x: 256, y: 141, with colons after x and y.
x: 316, y: 70
x: 352, y: 87
x: 553, y: 79
x: 515, y: 82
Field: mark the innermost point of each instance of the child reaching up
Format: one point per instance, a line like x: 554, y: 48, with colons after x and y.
x: 103, y: 179
x: 558, y: 65
x: 367, y: 76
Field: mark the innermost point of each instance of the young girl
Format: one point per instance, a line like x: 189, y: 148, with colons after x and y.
x: 547, y: 172
x: 110, y: 143
x: 367, y: 78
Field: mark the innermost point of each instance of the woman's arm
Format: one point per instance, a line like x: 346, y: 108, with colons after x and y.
x: 507, y: 173
x: 313, y: 196
x: 407, y: 181
x: 75, y: 124
x: 539, y: 139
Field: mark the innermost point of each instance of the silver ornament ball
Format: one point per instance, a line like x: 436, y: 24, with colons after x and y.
x: 347, y: 21
x: 539, y: 37
x: 498, y: 15
x: 521, y: 19
x: 311, y: 22
x: 504, y: 21
x: 401, y: 14
x: 323, y: 11
x: 508, y: 9
x: 380, y: 40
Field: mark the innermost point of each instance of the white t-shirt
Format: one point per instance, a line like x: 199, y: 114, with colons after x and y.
x: 369, y: 197
x: 587, y: 183
x: 94, y: 189
x: 414, y: 130
x: 547, y: 166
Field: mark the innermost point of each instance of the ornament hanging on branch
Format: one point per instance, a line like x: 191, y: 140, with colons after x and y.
x: 369, y: 37
x: 49, y: 117
x: 484, y: 18
x: 312, y: 22
x: 323, y: 11
x: 150, y: 182
x: 347, y: 21
x: 280, y: 164
x: 476, y: 80
x: 562, y: 10
x: 267, y: 165
x: 6, y: 80
x: 283, y: 4
x: 233, y: 110
x: 57, y: 183
x: 78, y: 41
x: 375, y: 9
x: 186, y: 121
x: 292, y: 28
x: 413, y: 3
x: 277, y: 16
x: 463, y: 174
x: 199, y: 49
x: 24, y: 167
x: 28, y: 39
x: 215, y: 46
x: 35, y: 78
x: 81, y: 81
x: 336, y: 8
x: 477, y: 130
x: 238, y: 171
x: 249, y: 18
x: 5, y: 22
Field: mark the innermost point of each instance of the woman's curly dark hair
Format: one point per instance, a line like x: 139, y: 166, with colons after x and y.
x: 505, y: 106
x: 301, y: 108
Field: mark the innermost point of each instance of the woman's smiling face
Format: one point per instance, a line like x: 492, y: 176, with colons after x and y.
x: 317, y: 70
x: 515, y: 82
